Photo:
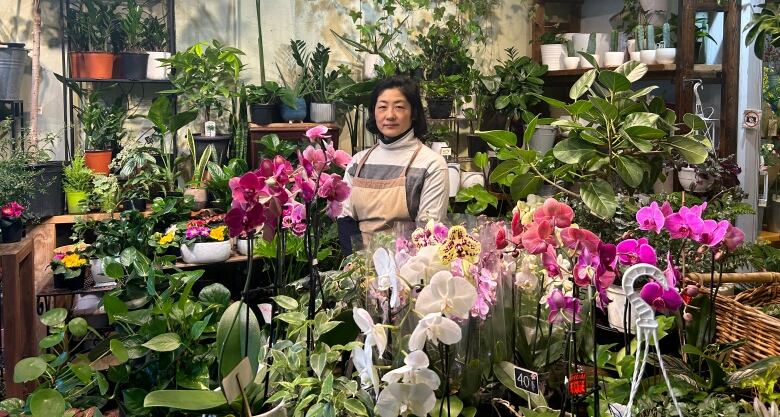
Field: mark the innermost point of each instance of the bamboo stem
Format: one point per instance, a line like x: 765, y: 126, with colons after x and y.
x: 736, y: 277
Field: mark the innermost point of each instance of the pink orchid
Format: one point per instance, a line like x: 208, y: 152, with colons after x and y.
x: 563, y: 309
x: 671, y: 272
x: 307, y: 165
x: 666, y: 209
x: 12, y: 210
x: 651, y: 218
x: 501, y: 241
x: 712, y: 232
x: 556, y: 213
x: 733, y: 238
x: 340, y: 158
x: 699, y: 209
x: 550, y: 262
x: 575, y: 238
x: 334, y: 208
x: 660, y: 299
x: 538, y: 236
x: 517, y: 229
x: 316, y: 157
x: 245, y: 189
x: 685, y: 223
x: 632, y: 251
x: 305, y: 186
x: 317, y: 132
x: 333, y: 188
x: 586, y: 269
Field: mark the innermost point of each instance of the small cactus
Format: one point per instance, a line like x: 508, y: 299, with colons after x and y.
x: 592, y: 44
x: 570, y: 52
x: 650, y: 37
x: 667, y: 36
x: 613, y: 44
x: 640, y: 39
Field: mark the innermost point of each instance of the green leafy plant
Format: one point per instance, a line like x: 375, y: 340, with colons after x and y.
x: 101, y: 124
x: 478, y: 199
x: 518, y: 82
x: 76, y: 176
x: 106, y: 189
x: 220, y: 177
x: 321, y: 85
x: 167, y: 123
x: 155, y: 32
x: 91, y: 25
x: 615, y: 138
x: 199, y: 162
x: 268, y: 92
x: 374, y: 37
x: 17, y: 178
x: 764, y: 27
x: 448, y: 44
x: 133, y: 27
x: 446, y: 87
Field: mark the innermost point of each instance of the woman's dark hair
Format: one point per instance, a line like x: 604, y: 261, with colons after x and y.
x: 411, y: 92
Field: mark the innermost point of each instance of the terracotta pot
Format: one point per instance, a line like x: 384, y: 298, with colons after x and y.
x: 98, y: 161
x: 97, y: 65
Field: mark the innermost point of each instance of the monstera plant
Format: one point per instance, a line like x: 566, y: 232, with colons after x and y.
x: 617, y: 141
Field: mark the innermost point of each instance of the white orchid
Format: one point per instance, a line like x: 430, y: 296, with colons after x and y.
x: 448, y: 295
x: 422, y: 266
x: 764, y: 411
x: 436, y: 328
x: 386, y: 276
x: 404, y: 399
x: 363, y: 361
x: 376, y: 334
x: 415, y: 371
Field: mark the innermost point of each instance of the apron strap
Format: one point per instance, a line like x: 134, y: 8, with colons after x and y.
x: 414, y: 155
x: 362, y: 162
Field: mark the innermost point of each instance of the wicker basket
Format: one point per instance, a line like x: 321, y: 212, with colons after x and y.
x: 737, y: 318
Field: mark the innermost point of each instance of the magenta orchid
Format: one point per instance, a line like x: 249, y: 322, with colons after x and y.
x: 662, y: 300
x: 733, y: 238
x: 685, y: 223
x: 712, y: 232
x: 12, y: 210
x: 634, y: 251
x: 563, y: 308
x: 651, y: 217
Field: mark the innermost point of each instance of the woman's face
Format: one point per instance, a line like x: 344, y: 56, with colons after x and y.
x: 393, y: 113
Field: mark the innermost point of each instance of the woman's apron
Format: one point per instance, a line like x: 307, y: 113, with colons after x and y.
x: 377, y: 204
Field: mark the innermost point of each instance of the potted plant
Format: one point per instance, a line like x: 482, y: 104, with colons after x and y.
x: 374, y: 38
x: 764, y: 26
x: 219, y: 184
x: 263, y: 101
x: 518, y: 82
x: 447, y: 43
x: 77, y: 183
x: 714, y: 171
x: 89, y: 29
x: 105, y: 188
x: 322, y: 87
x: 590, y: 51
x: 11, y: 222
x: 206, y: 77
x: 553, y: 50
x: 440, y: 94
x: 647, y: 55
x: 133, y: 60
x: 615, y: 56
x: 205, y: 245
x: 155, y: 43
x: 69, y: 268
x: 196, y: 187
x: 571, y: 60
x: 102, y: 126
x: 667, y: 53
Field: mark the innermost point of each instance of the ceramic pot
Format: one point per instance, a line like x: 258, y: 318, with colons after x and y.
x: 322, y: 112
x: 96, y: 65
x: 617, y: 308
x: 199, y: 195
x: 206, y: 252
x: 635, y: 56
x: 439, y: 109
x: 580, y: 41
x: 12, y: 230
x: 221, y: 145
x: 552, y: 56
x: 647, y: 56
x: 154, y: 68
x: 294, y: 113
x: 571, y: 62
x: 614, y: 59
x: 98, y: 161
x: 665, y: 55
x: 631, y: 45
x: 72, y: 284
x: 454, y: 170
x: 543, y: 138
x: 692, y: 181
x: 370, y: 63
x: 73, y: 199
x: 133, y: 65
x: 98, y: 272
x: 242, y: 246
x: 470, y: 179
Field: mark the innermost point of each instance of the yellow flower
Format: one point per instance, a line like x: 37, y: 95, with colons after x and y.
x: 73, y: 261
x: 459, y: 244
x: 166, y: 238
x: 217, y: 233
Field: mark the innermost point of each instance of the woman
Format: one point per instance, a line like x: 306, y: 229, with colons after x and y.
x: 399, y: 179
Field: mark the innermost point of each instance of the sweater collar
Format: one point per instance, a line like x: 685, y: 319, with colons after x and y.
x: 407, y: 140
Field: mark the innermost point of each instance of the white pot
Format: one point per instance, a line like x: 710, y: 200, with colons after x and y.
x: 585, y: 64
x: 602, y: 43
x: 98, y: 273
x: 617, y: 308
x: 647, y: 56
x: 693, y: 182
x: 154, y: 68
x: 242, y: 246
x: 631, y: 45
x: 369, y: 65
x: 614, y: 59
x: 543, y: 138
x: 322, y: 112
x: 454, y: 170
x: 580, y: 41
x: 206, y: 252
x: 278, y: 411
x: 199, y: 195
x: 552, y: 56
x: 470, y: 179
x: 665, y: 55
x: 571, y: 62
x: 635, y: 56
x: 437, y: 146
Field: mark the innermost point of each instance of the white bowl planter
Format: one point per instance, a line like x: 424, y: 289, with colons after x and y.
x: 614, y: 59
x: 154, y: 68
x: 454, y: 169
x: 543, y: 138
x: 647, y: 56
x: 635, y: 56
x: 552, y: 56
x: 206, y: 252
x: 691, y: 181
x: 571, y: 62
x: 617, y: 308
x: 242, y: 246
x: 322, y: 112
x: 665, y: 55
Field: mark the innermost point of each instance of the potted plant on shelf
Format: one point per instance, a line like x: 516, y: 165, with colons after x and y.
x: 206, y: 77
x: 89, y: 29
x: 571, y: 60
x: 219, y: 184
x: 440, y: 94
x: 206, y: 245
x: 763, y: 27
x: 11, y: 222
x: 263, y: 101
x: 133, y: 60
x: 591, y: 51
x: 196, y: 187
x: 710, y: 176
x: 518, y: 82
x: 667, y: 53
x: 77, y: 183
x: 105, y: 188
x: 445, y: 46
x: 155, y: 43
x: 69, y: 268
x: 615, y: 56
x: 325, y: 86
x: 647, y: 55
x: 553, y: 50
x: 102, y: 128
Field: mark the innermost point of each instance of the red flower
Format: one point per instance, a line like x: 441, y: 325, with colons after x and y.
x: 580, y: 239
x: 538, y: 236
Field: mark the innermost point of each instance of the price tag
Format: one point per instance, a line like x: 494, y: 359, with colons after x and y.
x: 446, y: 151
x: 527, y: 380
x: 577, y: 383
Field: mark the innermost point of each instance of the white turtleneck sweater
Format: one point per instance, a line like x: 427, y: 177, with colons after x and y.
x: 427, y: 182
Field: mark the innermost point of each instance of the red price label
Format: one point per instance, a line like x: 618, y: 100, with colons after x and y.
x: 577, y: 383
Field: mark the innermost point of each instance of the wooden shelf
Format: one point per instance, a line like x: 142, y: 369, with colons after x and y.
x: 655, y: 71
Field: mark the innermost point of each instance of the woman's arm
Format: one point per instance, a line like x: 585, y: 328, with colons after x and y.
x: 435, y: 195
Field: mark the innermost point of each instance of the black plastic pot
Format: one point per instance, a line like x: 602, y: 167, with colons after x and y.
x: 134, y: 204
x: 50, y: 198
x: 133, y: 65
x: 476, y: 145
x: 439, y: 108
x: 263, y: 114
x: 13, y: 230
x: 221, y: 144
x: 73, y: 284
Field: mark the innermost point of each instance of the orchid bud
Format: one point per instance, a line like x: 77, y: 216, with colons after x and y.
x: 688, y: 317
x: 691, y: 290
x: 718, y: 255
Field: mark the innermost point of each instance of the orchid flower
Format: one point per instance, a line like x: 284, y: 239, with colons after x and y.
x: 579, y: 239
x: 376, y: 334
x: 685, y: 223
x: 446, y: 294
x: 422, y: 266
x: 414, y: 371
x: 387, y: 279
x: 459, y: 244
x: 586, y: 269
x: 671, y: 272
x: 432, y: 234
x: 733, y: 238
x: 712, y: 232
x: 660, y: 299
x: 362, y: 359
x: 435, y: 328
x: 633, y: 251
x: 317, y: 132
x: 563, y: 309
x: 405, y: 399
x: 558, y: 214
x: 537, y: 236
x: 651, y: 218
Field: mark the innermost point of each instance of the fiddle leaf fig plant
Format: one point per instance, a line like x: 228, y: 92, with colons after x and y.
x: 617, y: 141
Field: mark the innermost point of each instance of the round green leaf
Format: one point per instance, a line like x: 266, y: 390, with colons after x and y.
x: 54, y: 317
x: 572, y: 151
x: 599, y: 196
x: 78, y: 327
x: 82, y: 372
x: 523, y: 185
x: 114, y: 270
x: 29, y: 369
x: 51, y: 340
x: 694, y: 122
x: 285, y: 302
x: 47, y: 403
x: 215, y: 294
x: 119, y: 351
x: 498, y: 138
x: 232, y: 337
x: 165, y: 342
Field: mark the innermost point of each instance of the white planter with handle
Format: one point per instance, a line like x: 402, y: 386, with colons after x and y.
x: 691, y: 181
x: 154, y: 68
x: 665, y: 55
x: 206, y: 252
x: 617, y: 308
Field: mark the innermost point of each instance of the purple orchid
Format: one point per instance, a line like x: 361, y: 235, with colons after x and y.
x: 633, y: 251
x: 733, y: 238
x: 586, y: 269
x: 563, y: 309
x: 651, y: 217
x: 712, y: 232
x: 660, y: 299
x: 671, y: 272
x: 666, y: 209
x: 550, y: 262
x: 685, y: 223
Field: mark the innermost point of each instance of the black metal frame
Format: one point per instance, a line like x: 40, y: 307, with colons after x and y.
x: 67, y: 93
x: 15, y: 112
